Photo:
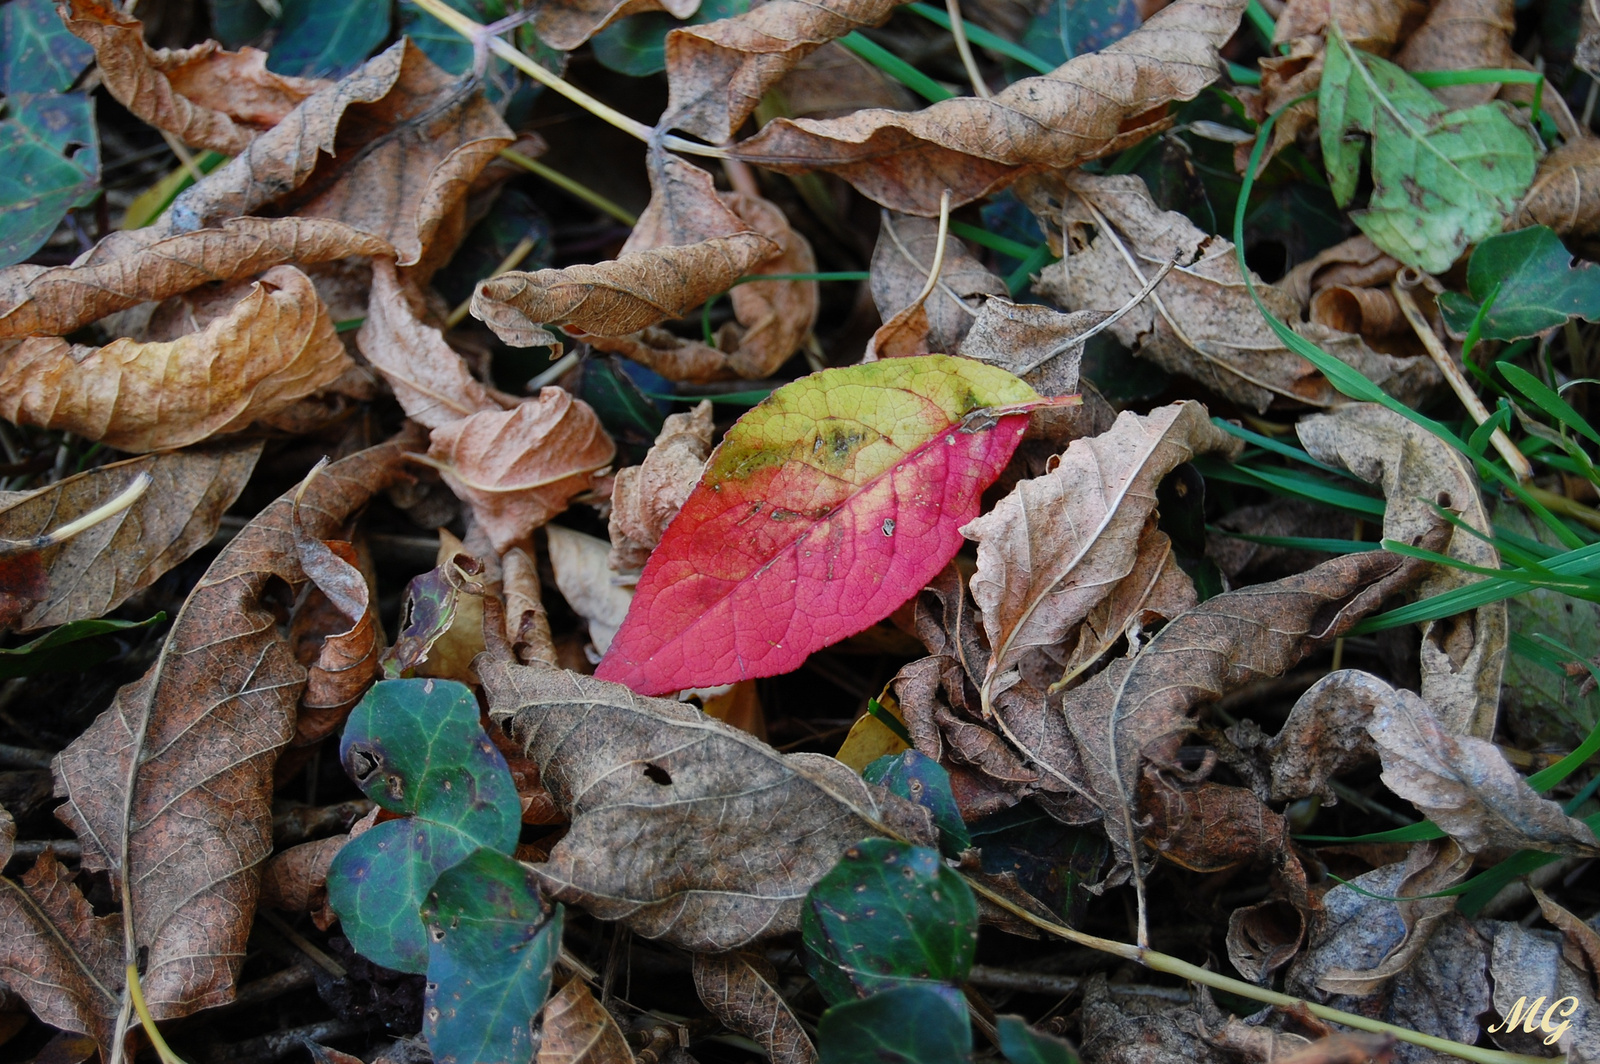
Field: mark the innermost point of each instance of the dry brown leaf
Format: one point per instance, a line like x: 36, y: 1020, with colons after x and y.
x: 1114, y: 1034
x: 616, y: 298
x: 527, y: 623
x: 684, y: 828
x: 834, y: 81
x: 1093, y: 105
x: 431, y: 382
x: 1139, y: 707
x: 900, y: 264
x: 204, y: 96
x: 1565, y: 194
x: 1352, y: 263
x: 1582, y: 941
x: 277, y: 345
x: 1325, y: 735
x: 179, y: 768
x: 389, y: 150
x: 773, y: 317
x: 1057, y: 545
x: 577, y: 1029
x: 1463, y: 35
x: 717, y: 73
x: 518, y: 468
x: 336, y: 635
x: 1209, y: 827
x: 584, y: 578
x: 1463, y: 657
x: 1528, y: 965
x: 1200, y: 321
x: 646, y: 497
x: 1466, y: 786
x: 130, y: 267
x: 94, y: 572
x: 296, y: 880
x: 741, y: 991
x: 61, y: 958
x: 1042, y: 346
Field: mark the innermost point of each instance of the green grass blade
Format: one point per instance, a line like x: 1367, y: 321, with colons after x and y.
x: 895, y: 67
x: 984, y: 39
x: 1546, y: 399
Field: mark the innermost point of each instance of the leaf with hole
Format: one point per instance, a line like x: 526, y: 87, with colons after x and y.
x: 1534, y: 280
x: 889, y: 914
x: 52, y: 165
x: 416, y: 747
x: 918, y: 778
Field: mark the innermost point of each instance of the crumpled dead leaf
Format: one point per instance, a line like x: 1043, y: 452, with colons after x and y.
x: 389, y: 150
x: 1528, y: 965
x: 204, y: 96
x: 1325, y: 735
x: 1200, y: 321
x: 1565, y: 194
x: 577, y: 1029
x: 527, y: 622
x: 1093, y: 105
x: 431, y: 382
x: 584, y: 578
x: 684, y: 828
x: 1466, y: 786
x: 1057, y: 545
x: 131, y: 267
x: 717, y: 73
x: 646, y: 497
x: 619, y: 297
x: 904, y: 254
x: 741, y: 991
x: 1463, y: 657
x: 518, y: 468
x: 772, y: 318
x: 565, y: 24
x: 95, y: 571
x: 196, y: 737
x: 1039, y: 344
x: 277, y: 345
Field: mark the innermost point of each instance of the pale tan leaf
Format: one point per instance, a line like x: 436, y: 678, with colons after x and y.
x: 204, y: 96
x: 277, y: 345
x: 1093, y: 105
x: 1038, y: 344
x: 684, y: 828
x: 1462, y: 657
x: 578, y: 1030
x: 130, y: 267
x: 389, y: 150
x: 94, y: 572
x: 584, y: 578
x: 900, y: 264
x: 1353, y: 263
x: 1463, y: 35
x: 518, y: 468
x: 1528, y: 966
x: 717, y: 73
x: 646, y: 497
x: 527, y: 622
x: 179, y: 768
x: 1200, y: 321
x: 1057, y: 545
x: 1583, y: 941
x: 619, y: 297
x: 740, y: 990
x: 1565, y: 194
x: 431, y: 382
x: 1466, y: 786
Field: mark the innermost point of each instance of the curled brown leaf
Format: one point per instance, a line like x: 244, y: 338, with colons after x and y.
x: 906, y: 250
x: 277, y: 345
x: 1565, y: 194
x: 577, y: 1029
x: 336, y: 635
x: 646, y: 497
x: 1093, y: 105
x: 741, y: 990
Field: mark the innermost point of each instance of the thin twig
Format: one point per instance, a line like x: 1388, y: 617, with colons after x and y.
x: 303, y: 944
x: 958, y: 30
x: 1521, y: 468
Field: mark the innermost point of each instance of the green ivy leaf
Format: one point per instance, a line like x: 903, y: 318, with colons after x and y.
x: 237, y: 22
x: 637, y: 45
x: 1065, y: 28
x: 492, y: 944
x: 416, y: 747
x: 37, y: 51
x: 63, y: 648
x: 52, y: 165
x: 889, y: 914
x: 1540, y: 286
x: 1021, y: 1044
x: 917, y: 777
x: 906, y: 1025
x: 1441, y: 180
x: 319, y: 39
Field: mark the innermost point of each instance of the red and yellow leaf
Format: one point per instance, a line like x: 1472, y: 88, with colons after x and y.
x: 823, y: 510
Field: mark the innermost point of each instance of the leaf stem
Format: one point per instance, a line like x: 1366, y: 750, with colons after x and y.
x: 158, y: 1043
x: 958, y: 30
x: 477, y: 33
x: 567, y: 184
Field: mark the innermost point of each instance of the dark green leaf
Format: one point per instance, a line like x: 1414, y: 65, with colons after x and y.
x: 1540, y: 286
x: 1051, y: 860
x: 1021, y: 1044
x: 492, y: 943
x: 416, y: 747
x: 1065, y: 28
x: 919, y: 778
x: 62, y: 647
x: 319, y: 39
x: 906, y: 1025
x: 37, y: 52
x: 453, y: 52
x: 610, y: 386
x: 52, y: 165
x: 237, y: 22
x: 637, y: 45
x: 888, y: 914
